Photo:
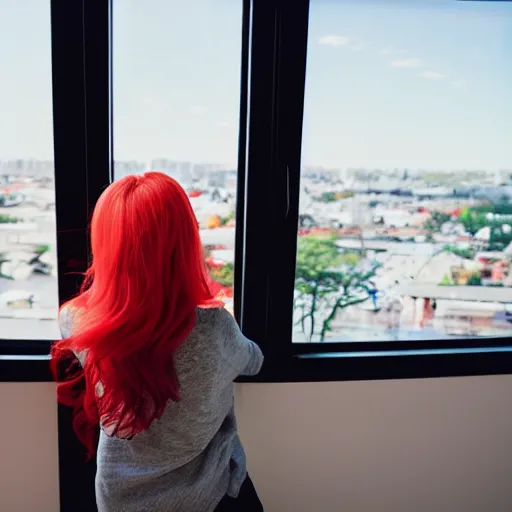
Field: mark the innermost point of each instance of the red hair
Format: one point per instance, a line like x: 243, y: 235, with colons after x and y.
x: 137, y: 305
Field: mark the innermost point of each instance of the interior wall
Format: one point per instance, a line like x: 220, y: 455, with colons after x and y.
x: 29, y: 477
x: 440, y: 445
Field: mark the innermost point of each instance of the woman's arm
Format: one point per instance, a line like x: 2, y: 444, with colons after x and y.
x: 238, y: 350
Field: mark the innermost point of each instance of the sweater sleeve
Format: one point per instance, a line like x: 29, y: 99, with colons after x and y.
x: 243, y: 354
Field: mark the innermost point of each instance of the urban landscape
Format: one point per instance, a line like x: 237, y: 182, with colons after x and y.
x: 383, y: 254
x: 404, y: 254
x: 28, y: 251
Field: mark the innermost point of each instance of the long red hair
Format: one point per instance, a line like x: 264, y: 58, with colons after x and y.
x: 137, y: 305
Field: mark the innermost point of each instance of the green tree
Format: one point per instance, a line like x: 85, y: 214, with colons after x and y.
x: 467, y: 254
x: 436, y: 220
x: 4, y: 259
x: 499, y: 238
x: 41, y: 249
x: 228, y: 218
x: 446, y: 281
x: 476, y: 218
x: 475, y: 280
x: 473, y: 219
x: 328, y: 197
x: 326, y: 282
x: 223, y: 275
x: 8, y: 219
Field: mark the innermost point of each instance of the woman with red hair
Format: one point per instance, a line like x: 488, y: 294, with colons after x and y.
x: 150, y: 357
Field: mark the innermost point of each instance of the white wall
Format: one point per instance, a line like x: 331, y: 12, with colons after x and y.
x: 390, y: 446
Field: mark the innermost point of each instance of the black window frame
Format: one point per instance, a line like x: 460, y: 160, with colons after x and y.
x: 268, y: 318
x: 92, y: 20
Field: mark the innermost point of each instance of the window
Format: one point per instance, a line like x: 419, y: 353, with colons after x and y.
x: 367, y: 159
x: 405, y: 213
x: 176, y: 80
x: 28, y: 250
x: 378, y: 188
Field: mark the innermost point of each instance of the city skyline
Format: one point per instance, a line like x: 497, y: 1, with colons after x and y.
x: 441, y: 100
x: 37, y: 164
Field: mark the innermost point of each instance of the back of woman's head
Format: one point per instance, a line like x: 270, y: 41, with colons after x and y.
x: 146, y: 248
x: 138, y: 301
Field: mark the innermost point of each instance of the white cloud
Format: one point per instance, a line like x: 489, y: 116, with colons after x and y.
x: 197, y: 109
x: 331, y: 40
x: 385, y: 51
x: 459, y: 83
x: 431, y: 75
x: 406, y: 63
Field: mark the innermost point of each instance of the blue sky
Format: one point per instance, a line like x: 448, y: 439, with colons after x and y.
x: 177, y: 79
x: 390, y: 83
x: 409, y: 83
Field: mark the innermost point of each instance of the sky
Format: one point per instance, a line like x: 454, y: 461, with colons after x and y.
x: 409, y: 83
x: 25, y: 80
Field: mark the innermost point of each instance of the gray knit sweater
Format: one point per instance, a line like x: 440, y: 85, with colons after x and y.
x: 190, y: 458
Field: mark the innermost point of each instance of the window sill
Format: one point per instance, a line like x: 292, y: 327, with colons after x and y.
x: 25, y: 368
x: 389, y: 365
x: 327, y: 366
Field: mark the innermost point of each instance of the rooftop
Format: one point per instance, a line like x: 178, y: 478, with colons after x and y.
x: 460, y: 293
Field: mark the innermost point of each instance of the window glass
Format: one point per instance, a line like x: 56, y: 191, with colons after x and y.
x: 406, y: 181
x: 28, y: 261
x: 176, y: 101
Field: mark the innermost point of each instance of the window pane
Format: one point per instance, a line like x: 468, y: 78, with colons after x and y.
x: 406, y: 190
x: 176, y: 102
x: 28, y: 261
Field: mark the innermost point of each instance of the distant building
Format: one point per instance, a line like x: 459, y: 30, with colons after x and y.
x: 27, y: 168
x: 122, y: 168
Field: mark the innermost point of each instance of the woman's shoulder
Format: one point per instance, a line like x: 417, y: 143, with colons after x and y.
x: 211, y: 315
x: 67, y: 318
x: 66, y: 321
x: 214, y: 320
x: 69, y: 315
